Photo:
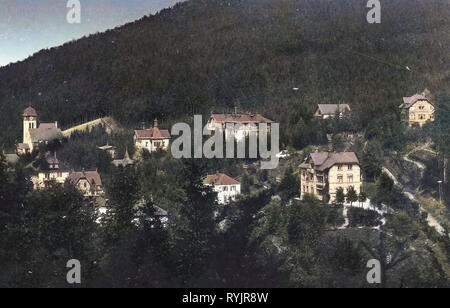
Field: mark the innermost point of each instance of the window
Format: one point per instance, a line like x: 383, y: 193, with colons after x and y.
x: 225, y: 188
x: 340, y: 179
x: 421, y: 107
x: 339, y: 167
x: 350, y: 167
x: 350, y: 178
x: 60, y: 174
x: 421, y: 117
x: 233, y: 188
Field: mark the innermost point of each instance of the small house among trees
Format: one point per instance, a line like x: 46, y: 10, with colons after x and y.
x: 418, y: 109
x: 328, y: 111
x: 89, y: 183
x: 226, y: 187
x: 152, y: 139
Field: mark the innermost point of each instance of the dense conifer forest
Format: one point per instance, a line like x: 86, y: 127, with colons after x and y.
x: 277, y: 57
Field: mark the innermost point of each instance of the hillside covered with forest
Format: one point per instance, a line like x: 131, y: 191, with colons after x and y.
x: 214, y: 55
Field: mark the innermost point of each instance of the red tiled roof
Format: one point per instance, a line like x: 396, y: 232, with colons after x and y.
x: 92, y: 177
x: 240, y: 118
x: 220, y: 179
x: 153, y: 133
x: 23, y: 146
x: 30, y: 112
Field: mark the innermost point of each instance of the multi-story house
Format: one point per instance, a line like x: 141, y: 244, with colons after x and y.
x: 417, y: 109
x: 328, y: 111
x: 152, y: 139
x: 226, y: 187
x: 50, y: 171
x: 323, y: 173
x: 243, y: 123
x: 89, y: 183
x: 33, y: 135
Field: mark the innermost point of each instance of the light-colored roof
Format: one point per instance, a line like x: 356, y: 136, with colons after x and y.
x: 324, y: 160
x: 106, y: 147
x: 123, y: 162
x: 331, y: 109
x: 220, y: 179
x: 240, y: 118
x: 152, y: 133
x: 410, y: 101
x: 23, y: 146
x: 45, y: 132
x: 92, y: 177
x: 30, y: 112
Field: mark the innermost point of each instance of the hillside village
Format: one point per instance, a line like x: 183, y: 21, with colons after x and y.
x: 358, y: 177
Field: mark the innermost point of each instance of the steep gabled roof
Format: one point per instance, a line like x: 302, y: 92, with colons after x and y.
x: 408, y: 102
x: 30, y: 112
x: 92, y: 177
x: 220, y: 179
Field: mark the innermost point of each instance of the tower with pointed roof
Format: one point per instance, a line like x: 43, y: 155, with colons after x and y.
x: 30, y: 119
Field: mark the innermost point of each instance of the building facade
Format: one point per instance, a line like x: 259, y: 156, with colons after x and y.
x: 226, y: 187
x: 244, y: 123
x: 52, y: 171
x: 152, y: 139
x: 323, y: 173
x: 89, y: 183
x: 417, y: 109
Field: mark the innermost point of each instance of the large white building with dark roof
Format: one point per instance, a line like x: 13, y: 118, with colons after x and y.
x: 226, y: 187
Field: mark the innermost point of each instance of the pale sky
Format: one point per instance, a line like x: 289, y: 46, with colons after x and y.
x: 27, y: 26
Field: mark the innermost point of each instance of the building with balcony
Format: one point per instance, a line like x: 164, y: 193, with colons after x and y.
x: 323, y: 173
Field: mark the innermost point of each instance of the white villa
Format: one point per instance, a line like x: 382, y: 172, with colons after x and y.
x: 247, y: 122
x: 226, y: 187
x: 152, y: 139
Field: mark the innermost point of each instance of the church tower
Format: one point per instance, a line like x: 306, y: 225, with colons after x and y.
x: 30, y: 118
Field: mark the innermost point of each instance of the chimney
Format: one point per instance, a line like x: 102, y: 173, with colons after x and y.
x: 56, y: 124
x: 235, y: 109
x: 155, y: 123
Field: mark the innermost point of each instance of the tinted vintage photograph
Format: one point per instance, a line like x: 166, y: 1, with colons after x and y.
x: 224, y: 149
